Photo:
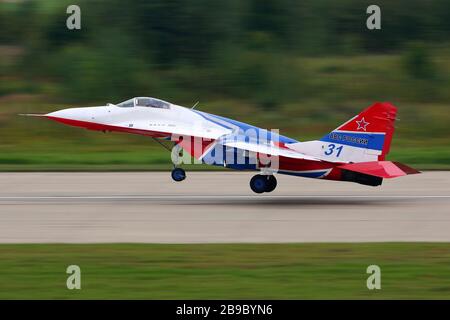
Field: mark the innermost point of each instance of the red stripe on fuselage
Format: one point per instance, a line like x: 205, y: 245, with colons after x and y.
x: 107, y: 127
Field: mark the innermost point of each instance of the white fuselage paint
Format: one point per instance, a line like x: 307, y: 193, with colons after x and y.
x: 176, y: 120
x: 318, y: 149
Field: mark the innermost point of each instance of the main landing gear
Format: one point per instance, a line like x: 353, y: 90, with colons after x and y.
x: 263, y: 183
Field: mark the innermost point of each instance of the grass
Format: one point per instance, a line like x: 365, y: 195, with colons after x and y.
x: 224, y: 271
x: 159, y: 160
x: 144, y: 154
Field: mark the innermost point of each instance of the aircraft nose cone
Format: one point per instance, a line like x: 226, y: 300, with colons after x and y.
x: 65, y: 114
x: 72, y: 116
x: 79, y: 114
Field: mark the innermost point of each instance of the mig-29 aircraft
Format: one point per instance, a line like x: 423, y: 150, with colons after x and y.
x: 355, y: 151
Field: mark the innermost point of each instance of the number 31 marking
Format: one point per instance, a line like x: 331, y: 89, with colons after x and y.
x: 332, y: 148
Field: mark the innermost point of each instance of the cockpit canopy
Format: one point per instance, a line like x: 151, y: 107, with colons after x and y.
x: 144, y: 102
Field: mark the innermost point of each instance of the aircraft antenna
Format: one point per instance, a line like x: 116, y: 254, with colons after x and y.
x: 193, y: 107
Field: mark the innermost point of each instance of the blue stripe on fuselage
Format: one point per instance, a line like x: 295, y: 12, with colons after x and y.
x: 203, y: 115
x: 271, y: 136
x: 356, y: 139
x: 233, y: 158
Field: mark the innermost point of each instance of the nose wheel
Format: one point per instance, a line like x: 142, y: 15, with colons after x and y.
x: 178, y: 174
x: 263, y: 183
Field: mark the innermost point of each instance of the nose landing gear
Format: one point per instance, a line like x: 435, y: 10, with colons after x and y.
x: 178, y: 174
x: 263, y: 183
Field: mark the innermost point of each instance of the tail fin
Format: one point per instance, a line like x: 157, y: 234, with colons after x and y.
x: 371, y: 130
x: 364, y: 138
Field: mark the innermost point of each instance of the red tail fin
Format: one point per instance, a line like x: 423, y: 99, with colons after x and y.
x: 378, y: 118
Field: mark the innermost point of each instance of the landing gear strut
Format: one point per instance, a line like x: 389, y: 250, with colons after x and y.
x: 263, y: 183
x: 178, y: 174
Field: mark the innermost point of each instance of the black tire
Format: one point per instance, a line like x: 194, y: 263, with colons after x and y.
x: 178, y: 174
x: 258, y: 183
x: 271, y: 183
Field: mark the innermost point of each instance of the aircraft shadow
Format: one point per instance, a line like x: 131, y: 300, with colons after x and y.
x: 291, y: 202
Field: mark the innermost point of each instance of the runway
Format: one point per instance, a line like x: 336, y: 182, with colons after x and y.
x: 218, y: 207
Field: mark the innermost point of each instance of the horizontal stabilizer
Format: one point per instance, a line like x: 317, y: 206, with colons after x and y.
x: 382, y: 169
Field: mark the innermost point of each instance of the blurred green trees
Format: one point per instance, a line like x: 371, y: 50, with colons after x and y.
x: 418, y: 62
x: 183, y: 48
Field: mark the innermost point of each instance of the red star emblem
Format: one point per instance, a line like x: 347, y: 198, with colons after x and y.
x: 362, y: 124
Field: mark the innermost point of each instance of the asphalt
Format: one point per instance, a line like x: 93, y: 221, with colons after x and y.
x: 218, y: 207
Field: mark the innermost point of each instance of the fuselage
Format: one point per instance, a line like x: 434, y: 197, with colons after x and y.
x: 355, y: 151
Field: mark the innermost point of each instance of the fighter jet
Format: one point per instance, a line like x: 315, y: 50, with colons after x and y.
x: 355, y: 151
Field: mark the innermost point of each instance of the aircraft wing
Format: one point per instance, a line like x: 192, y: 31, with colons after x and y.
x: 266, y: 148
